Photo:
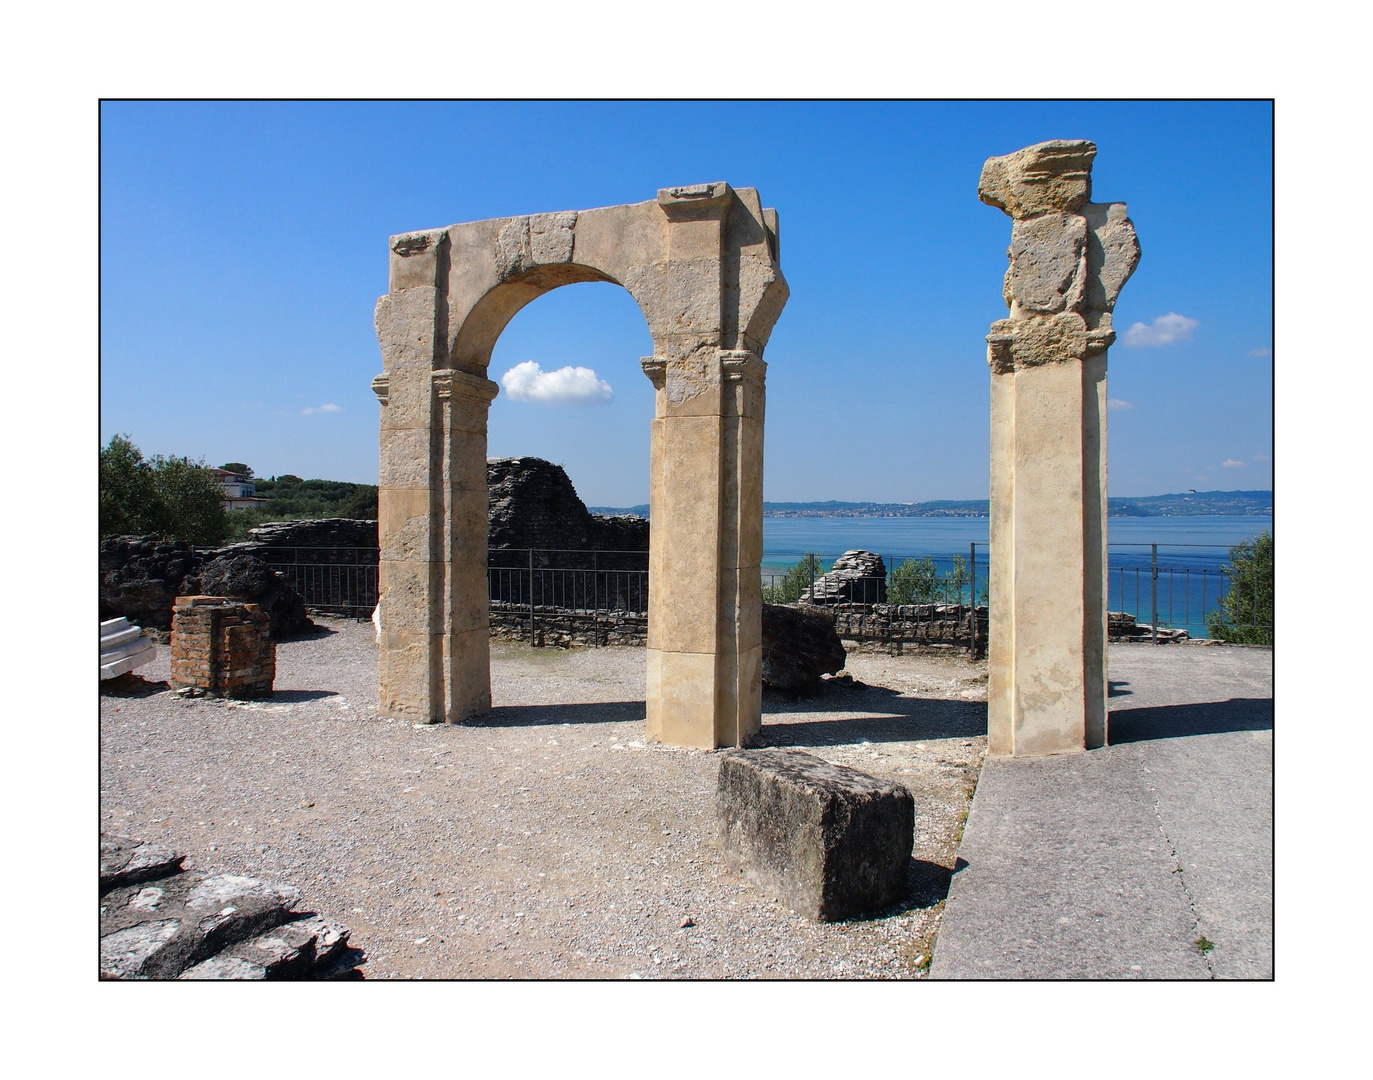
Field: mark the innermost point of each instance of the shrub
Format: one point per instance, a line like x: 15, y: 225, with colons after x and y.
x: 173, y: 498
x: 1245, y: 613
x: 795, y: 582
x: 918, y: 581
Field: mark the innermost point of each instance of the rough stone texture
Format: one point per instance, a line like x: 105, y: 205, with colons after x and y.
x: 158, y: 921
x: 248, y: 578
x: 900, y: 626
x: 222, y: 648
x: 799, y: 646
x: 534, y: 505
x: 1123, y: 627
x: 323, y: 540
x: 141, y: 577
x: 701, y: 261
x: 834, y: 842
x: 565, y: 627
x: 125, y: 861
x: 857, y: 577
x: 1069, y: 259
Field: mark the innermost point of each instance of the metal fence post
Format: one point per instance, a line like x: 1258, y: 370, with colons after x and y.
x: 1153, y: 589
x: 531, y: 597
x: 972, y: 601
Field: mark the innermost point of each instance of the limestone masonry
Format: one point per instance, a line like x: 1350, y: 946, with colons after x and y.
x: 1069, y: 259
x: 702, y: 263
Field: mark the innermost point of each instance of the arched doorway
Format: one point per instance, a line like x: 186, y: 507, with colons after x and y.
x: 702, y: 264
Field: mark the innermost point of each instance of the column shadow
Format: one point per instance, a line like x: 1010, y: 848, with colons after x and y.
x: 1197, y: 718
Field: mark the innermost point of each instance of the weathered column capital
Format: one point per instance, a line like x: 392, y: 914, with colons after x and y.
x: 450, y: 383
x: 740, y: 365
x: 1069, y: 257
x: 655, y: 367
x: 381, y: 386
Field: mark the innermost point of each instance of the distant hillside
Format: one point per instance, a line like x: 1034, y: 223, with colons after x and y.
x: 633, y: 511
x: 1184, y: 504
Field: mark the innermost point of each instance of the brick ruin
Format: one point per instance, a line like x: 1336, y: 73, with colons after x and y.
x: 221, y: 648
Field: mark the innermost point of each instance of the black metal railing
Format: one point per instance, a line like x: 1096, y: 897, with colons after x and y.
x: 1176, y: 586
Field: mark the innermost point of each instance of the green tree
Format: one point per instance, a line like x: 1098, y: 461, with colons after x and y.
x: 918, y: 581
x: 129, y: 500
x: 238, y: 467
x: 193, y: 499
x: 795, y: 582
x: 1245, y: 613
x: 915, y: 581
x: 173, y: 498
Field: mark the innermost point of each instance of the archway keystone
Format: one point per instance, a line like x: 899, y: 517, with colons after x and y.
x: 702, y: 263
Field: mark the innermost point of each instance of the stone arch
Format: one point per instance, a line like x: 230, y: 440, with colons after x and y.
x: 702, y: 263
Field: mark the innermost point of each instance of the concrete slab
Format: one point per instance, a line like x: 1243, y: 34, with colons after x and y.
x: 1112, y: 863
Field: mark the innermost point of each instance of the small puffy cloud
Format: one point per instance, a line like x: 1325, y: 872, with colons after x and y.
x: 1231, y: 463
x: 1260, y: 354
x: 1165, y: 330
x: 328, y: 406
x: 566, y: 386
x: 1116, y: 404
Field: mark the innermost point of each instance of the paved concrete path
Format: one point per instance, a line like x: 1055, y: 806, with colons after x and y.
x: 1112, y: 863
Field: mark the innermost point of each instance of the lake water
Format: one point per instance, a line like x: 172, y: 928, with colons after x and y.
x: 1190, y: 553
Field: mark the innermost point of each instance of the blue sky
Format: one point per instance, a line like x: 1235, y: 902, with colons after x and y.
x: 243, y: 246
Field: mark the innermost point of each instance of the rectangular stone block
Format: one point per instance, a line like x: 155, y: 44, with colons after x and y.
x: 830, y: 841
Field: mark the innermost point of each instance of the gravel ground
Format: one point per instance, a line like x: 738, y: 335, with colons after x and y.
x: 546, y: 840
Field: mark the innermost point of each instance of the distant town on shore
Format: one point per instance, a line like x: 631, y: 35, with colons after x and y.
x: 1183, y: 504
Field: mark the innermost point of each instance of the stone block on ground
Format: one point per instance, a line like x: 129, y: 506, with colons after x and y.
x: 800, y: 645
x: 831, y: 842
x: 158, y: 921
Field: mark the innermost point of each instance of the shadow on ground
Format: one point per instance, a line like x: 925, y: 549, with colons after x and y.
x: 288, y: 696
x: 895, y: 718
x: 589, y: 712
x: 1180, y: 721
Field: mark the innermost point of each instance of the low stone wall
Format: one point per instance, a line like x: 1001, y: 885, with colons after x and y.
x: 563, y: 627
x: 895, y: 627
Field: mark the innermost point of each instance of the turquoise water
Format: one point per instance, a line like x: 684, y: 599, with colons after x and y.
x: 786, y: 538
x: 1191, y: 551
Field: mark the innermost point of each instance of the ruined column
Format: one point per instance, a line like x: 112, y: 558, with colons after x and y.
x: 704, y: 685
x: 434, y: 660
x: 1069, y: 259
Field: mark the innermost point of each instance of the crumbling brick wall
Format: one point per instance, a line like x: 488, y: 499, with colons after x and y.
x: 222, y: 647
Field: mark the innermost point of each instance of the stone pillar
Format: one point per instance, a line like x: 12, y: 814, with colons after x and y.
x: 705, y: 603
x: 432, y: 499
x: 1069, y: 259
x: 704, y: 685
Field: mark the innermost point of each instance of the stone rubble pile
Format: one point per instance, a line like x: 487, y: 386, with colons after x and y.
x: 141, y: 577
x: 160, y: 921
x: 857, y: 577
x: 1122, y: 626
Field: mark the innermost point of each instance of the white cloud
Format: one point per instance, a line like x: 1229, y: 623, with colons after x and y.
x: 566, y: 386
x: 1231, y: 463
x: 1260, y: 354
x: 328, y: 406
x: 1116, y: 404
x: 1165, y: 330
